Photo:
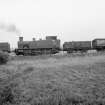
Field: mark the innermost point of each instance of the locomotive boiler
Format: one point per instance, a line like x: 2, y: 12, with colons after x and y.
x: 50, y: 45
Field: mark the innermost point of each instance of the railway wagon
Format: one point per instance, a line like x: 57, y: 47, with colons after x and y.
x: 4, y: 46
x: 75, y: 46
x: 50, y: 45
x: 98, y: 44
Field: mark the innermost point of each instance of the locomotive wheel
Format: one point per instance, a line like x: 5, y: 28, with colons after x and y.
x: 26, y: 50
x: 26, y: 46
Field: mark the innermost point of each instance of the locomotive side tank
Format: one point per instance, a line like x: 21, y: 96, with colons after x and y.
x: 4, y: 46
x: 98, y: 44
x: 77, y: 46
x: 50, y: 45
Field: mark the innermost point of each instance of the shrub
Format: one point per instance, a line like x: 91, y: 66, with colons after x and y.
x: 4, y: 57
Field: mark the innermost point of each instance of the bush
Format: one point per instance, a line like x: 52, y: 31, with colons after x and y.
x: 4, y: 57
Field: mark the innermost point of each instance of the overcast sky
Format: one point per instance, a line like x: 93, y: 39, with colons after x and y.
x: 69, y: 19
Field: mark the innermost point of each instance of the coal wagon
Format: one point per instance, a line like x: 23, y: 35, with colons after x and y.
x: 98, y: 44
x: 75, y: 46
x: 50, y: 45
x: 4, y: 46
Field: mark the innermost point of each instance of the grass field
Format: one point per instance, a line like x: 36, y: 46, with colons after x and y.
x: 54, y: 80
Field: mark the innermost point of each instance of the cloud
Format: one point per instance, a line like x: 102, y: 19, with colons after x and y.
x: 9, y: 28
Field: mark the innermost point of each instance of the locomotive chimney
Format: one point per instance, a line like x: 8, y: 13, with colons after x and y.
x: 33, y: 39
x: 20, y: 39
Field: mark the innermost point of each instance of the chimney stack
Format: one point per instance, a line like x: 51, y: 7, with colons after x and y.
x: 33, y: 39
x: 20, y: 39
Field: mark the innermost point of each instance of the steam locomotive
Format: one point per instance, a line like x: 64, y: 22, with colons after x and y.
x: 51, y: 45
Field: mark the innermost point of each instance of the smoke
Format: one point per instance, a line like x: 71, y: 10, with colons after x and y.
x: 10, y: 28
